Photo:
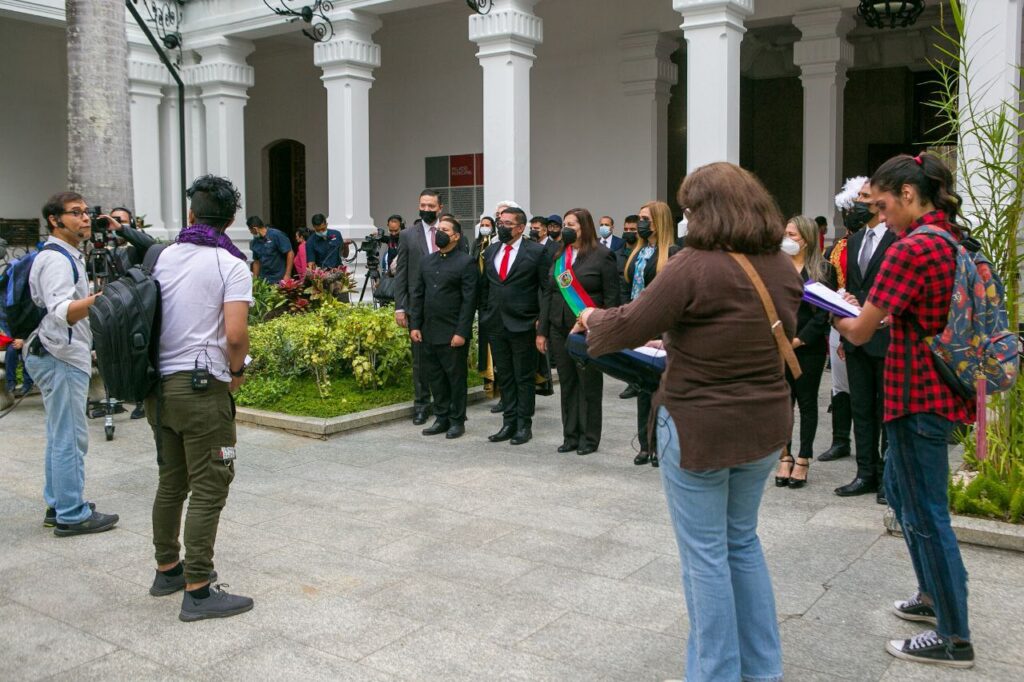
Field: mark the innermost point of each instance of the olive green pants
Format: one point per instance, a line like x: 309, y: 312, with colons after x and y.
x: 195, y: 426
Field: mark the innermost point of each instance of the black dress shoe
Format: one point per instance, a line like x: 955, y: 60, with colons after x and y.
x: 586, y: 450
x: 522, y: 436
x: 455, y: 430
x: 544, y: 389
x: 837, y: 451
x: 643, y: 458
x: 507, y: 431
x: 858, y: 486
x: 654, y: 460
x: 568, y: 446
x: 439, y: 426
x: 880, y: 497
x: 630, y: 392
x: 498, y: 409
x: 419, y: 418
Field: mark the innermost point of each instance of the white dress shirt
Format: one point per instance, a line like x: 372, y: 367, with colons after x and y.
x: 607, y: 241
x: 431, y: 244
x: 511, y: 258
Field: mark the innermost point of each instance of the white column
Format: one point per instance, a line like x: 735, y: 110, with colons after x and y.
x: 992, y: 45
x: 713, y: 30
x: 823, y: 55
x: 348, y: 61
x: 647, y: 75
x: 223, y: 78
x: 506, y: 37
x: 146, y: 77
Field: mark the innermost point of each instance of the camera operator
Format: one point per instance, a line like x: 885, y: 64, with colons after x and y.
x: 389, y: 246
x: 325, y: 247
x: 59, y: 358
x: 132, y: 243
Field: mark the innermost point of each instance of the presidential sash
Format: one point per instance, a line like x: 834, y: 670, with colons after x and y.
x: 572, y: 291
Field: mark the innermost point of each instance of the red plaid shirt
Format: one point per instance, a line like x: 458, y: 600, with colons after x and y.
x: 915, y: 282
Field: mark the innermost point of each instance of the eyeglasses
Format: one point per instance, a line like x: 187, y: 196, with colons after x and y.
x: 77, y: 212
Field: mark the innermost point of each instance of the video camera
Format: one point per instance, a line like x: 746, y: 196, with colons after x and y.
x: 100, y: 228
x: 371, y: 243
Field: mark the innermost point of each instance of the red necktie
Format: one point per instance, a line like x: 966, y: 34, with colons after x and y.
x: 503, y: 272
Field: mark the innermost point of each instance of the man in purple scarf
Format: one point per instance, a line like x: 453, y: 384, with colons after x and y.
x: 205, y: 296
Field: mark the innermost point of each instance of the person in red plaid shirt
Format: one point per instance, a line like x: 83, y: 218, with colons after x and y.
x: 913, y: 290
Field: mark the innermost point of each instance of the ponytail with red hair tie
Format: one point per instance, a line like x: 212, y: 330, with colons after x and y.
x: 917, y: 160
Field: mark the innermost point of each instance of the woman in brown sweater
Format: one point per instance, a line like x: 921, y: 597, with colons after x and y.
x: 722, y: 413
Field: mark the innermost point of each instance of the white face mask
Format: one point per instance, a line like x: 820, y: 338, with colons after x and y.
x: 683, y: 226
x: 790, y: 247
x: 485, y: 230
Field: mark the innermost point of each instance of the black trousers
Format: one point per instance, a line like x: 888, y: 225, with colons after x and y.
x: 643, y: 414
x: 446, y: 370
x: 420, y: 384
x: 580, y: 392
x: 804, y: 394
x: 865, y: 374
x: 515, y: 363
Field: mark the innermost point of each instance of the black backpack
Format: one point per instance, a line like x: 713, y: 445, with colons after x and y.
x: 125, y: 323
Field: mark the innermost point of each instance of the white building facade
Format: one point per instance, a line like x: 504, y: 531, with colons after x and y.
x: 556, y: 104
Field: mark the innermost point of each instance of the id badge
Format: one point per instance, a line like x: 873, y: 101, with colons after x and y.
x: 225, y: 454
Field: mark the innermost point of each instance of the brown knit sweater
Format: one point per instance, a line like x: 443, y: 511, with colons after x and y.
x: 723, y: 383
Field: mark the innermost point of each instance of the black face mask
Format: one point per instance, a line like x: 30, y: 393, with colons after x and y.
x: 643, y: 228
x: 858, y: 216
x: 555, y: 234
x: 442, y: 239
x: 534, y: 235
x: 504, y: 234
x: 568, y: 236
x: 394, y: 238
x: 429, y: 217
x: 630, y: 237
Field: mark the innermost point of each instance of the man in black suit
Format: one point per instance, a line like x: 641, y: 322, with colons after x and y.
x: 441, y: 323
x: 416, y: 243
x: 864, y: 364
x: 514, y: 272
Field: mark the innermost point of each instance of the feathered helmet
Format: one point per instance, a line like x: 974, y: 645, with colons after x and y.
x: 848, y: 195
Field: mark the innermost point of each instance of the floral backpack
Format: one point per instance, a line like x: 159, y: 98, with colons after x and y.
x: 977, y: 341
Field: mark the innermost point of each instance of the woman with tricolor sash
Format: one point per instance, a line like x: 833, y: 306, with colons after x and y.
x: 656, y: 232
x: 584, y: 275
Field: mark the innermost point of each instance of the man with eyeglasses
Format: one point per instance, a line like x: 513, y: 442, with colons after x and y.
x: 59, y: 358
x: 514, y: 271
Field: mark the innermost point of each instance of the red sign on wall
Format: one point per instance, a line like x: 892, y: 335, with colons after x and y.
x: 462, y: 170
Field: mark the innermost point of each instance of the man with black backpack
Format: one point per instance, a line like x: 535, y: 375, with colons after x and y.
x: 59, y: 357
x: 205, y: 293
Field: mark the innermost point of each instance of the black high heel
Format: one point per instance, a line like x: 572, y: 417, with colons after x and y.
x: 798, y: 482
x: 643, y: 458
x: 783, y: 481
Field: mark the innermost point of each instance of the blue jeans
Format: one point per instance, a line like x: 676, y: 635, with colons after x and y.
x: 917, y: 488
x: 11, y: 359
x: 65, y: 392
x: 734, y: 633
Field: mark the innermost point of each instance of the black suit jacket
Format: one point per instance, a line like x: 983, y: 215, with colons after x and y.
x: 444, y: 297
x: 597, y: 271
x: 412, y: 248
x: 859, y: 284
x: 811, y: 321
x: 514, y: 305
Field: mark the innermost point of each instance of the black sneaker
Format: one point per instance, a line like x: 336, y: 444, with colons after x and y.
x: 914, y: 609
x: 929, y: 647
x: 97, y: 523
x: 139, y: 412
x: 219, y: 604
x: 164, y: 585
x: 50, y: 515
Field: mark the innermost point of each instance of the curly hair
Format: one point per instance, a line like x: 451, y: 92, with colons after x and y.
x: 214, y: 200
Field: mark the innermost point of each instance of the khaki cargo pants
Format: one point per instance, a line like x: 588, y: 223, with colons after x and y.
x: 195, y: 426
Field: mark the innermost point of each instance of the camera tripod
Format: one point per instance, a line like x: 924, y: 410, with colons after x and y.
x: 103, y: 267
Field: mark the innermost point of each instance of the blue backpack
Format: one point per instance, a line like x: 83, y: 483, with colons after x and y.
x: 19, y: 314
x: 977, y: 341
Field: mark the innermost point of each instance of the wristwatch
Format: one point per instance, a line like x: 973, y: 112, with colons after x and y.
x: 239, y: 373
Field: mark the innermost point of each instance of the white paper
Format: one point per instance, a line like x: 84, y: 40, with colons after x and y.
x: 823, y: 293
x: 653, y: 352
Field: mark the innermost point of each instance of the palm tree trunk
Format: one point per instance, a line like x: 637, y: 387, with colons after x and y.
x: 99, y: 128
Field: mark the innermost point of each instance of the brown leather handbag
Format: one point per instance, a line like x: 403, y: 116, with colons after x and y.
x: 785, y: 346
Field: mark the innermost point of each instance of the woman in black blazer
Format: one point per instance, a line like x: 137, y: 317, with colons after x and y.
x: 580, y: 390
x: 810, y: 345
x: 656, y: 232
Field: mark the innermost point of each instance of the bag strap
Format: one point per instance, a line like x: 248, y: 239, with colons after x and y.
x: 152, y: 254
x: 785, y: 347
x: 74, y: 268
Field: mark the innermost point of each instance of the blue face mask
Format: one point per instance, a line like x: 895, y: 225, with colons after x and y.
x: 604, y: 231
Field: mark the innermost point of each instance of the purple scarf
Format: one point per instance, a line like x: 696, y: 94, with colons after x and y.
x: 204, y: 235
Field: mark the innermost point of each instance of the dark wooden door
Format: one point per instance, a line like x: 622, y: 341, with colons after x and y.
x: 287, y: 160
